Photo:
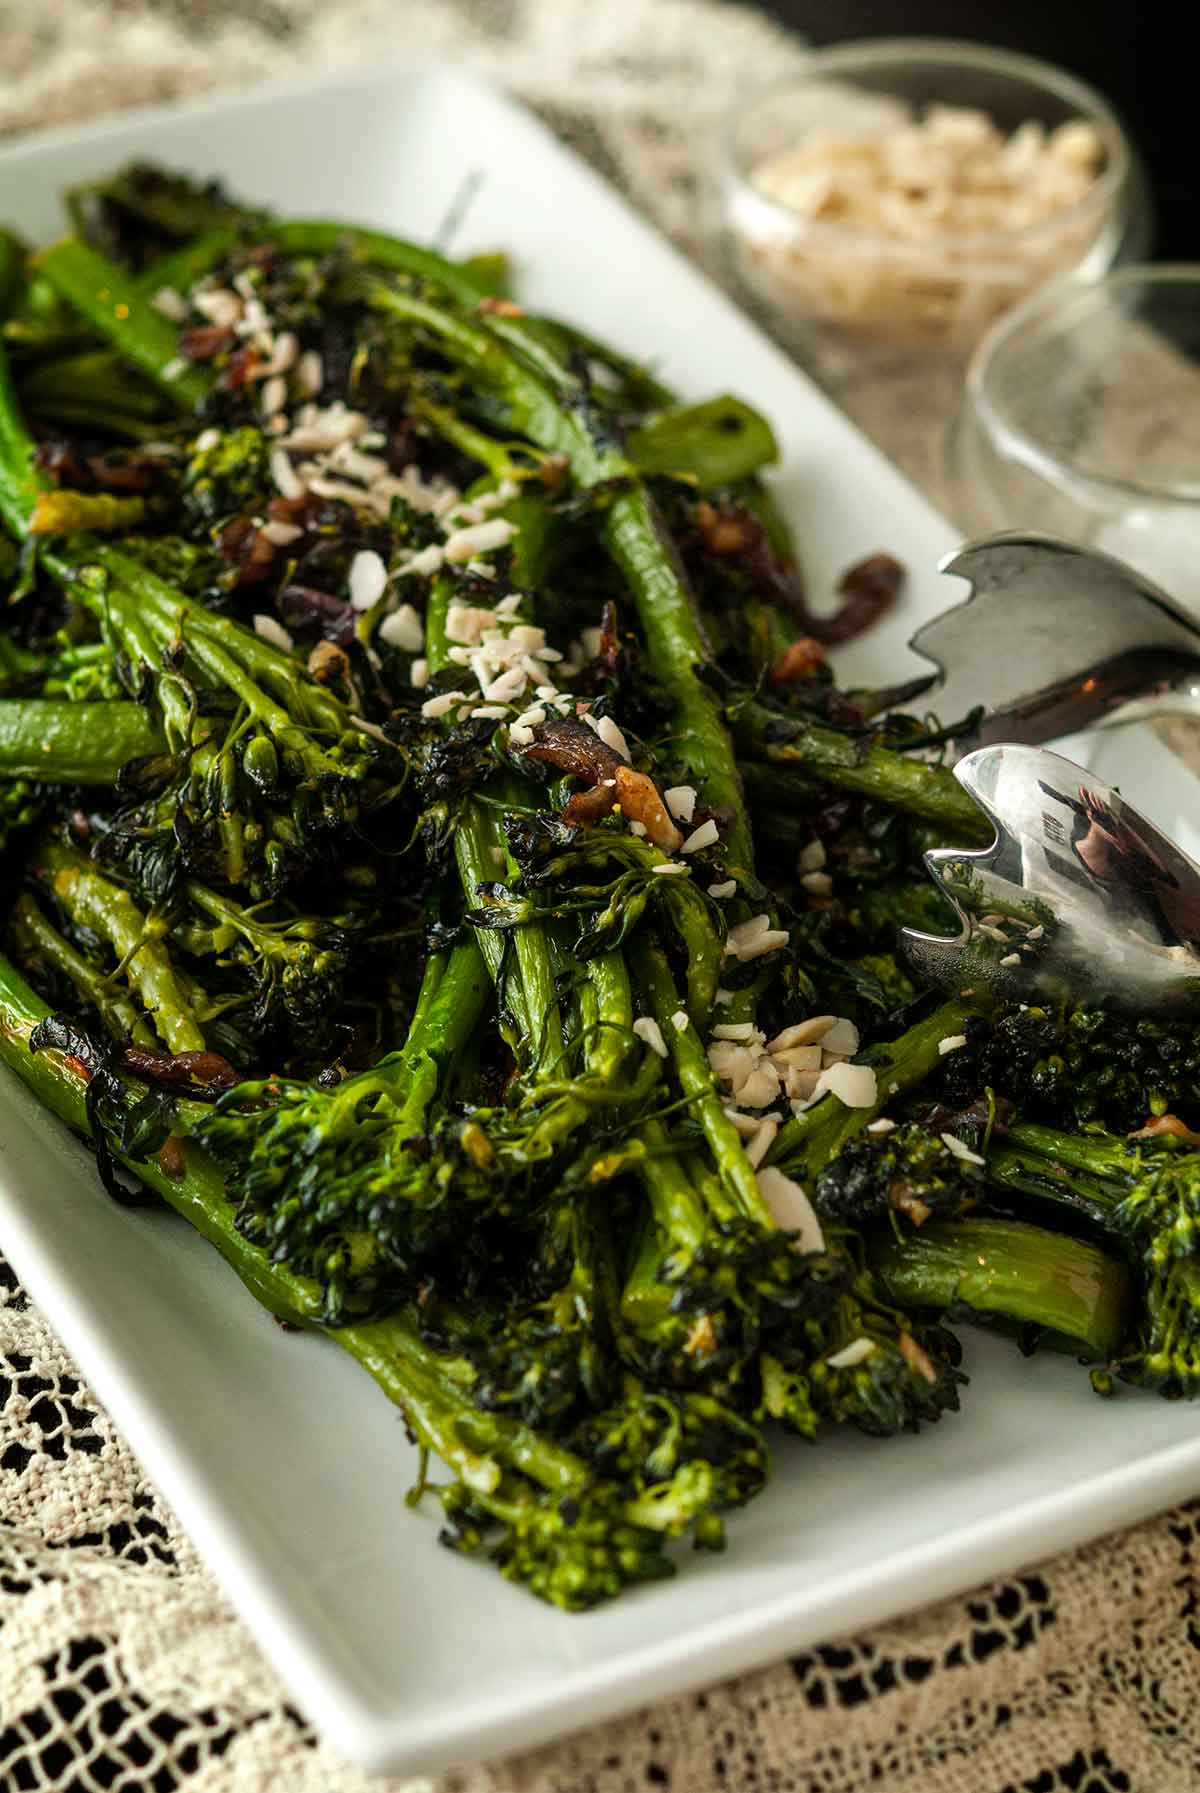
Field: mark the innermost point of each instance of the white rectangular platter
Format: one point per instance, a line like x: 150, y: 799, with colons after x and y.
x: 279, y: 1455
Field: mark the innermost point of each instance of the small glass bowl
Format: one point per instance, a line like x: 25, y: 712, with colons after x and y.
x: 941, y: 291
x: 1080, y: 416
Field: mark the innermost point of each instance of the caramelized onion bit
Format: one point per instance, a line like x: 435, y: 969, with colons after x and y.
x: 196, y: 1072
x: 867, y: 590
x: 571, y: 747
x: 799, y: 661
x: 1167, y: 1126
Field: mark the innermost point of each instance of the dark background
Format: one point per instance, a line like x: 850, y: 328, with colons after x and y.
x: 1136, y: 55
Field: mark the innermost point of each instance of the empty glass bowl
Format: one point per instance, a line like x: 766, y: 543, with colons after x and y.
x: 814, y: 276
x: 1081, y: 416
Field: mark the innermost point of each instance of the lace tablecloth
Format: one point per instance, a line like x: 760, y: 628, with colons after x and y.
x: 121, y: 1664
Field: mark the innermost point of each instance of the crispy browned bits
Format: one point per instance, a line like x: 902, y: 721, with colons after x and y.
x: 1167, y: 1126
x: 246, y: 549
x: 200, y: 1073
x: 570, y: 746
x: 204, y: 342
x: 329, y: 665
x: 171, y: 1159
x: 303, y: 607
x: 867, y: 589
x: 799, y: 661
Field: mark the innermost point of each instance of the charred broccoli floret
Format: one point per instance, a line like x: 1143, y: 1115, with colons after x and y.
x: 572, y: 1550
x: 1083, y: 1066
x: 224, y: 478
x: 906, y: 1171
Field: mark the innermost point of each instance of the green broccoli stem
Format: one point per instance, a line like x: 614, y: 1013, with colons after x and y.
x: 179, y: 269
x: 1087, y: 1174
x: 308, y: 236
x: 686, y: 1049
x: 604, y: 1018
x: 226, y: 649
x: 532, y: 994
x: 149, y: 617
x: 675, y: 647
x: 478, y: 844
x: 445, y: 1021
x: 115, y: 306
x: 607, y: 1012
x: 94, y: 901
x: 551, y: 408
x: 18, y: 665
x: 74, y: 743
x: 549, y: 343
x: 809, y: 1140
x: 930, y: 792
x: 182, y: 268
x: 692, y: 920
x: 676, y: 1221
x: 21, y: 484
x: 475, y: 1445
x: 1008, y: 1270
x: 476, y: 444
x: 101, y: 374
x: 431, y: 979
x: 526, y: 988
x: 38, y: 943
x: 646, y: 1298
x: 477, y: 278
x: 1100, y: 1155
x: 533, y: 953
x: 685, y: 1195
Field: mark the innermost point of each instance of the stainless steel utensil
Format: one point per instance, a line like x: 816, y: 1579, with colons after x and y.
x: 1079, y: 895
x: 1056, y: 638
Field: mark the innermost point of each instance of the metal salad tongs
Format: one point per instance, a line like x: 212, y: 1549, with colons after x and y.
x: 1079, y: 893
x: 1055, y: 638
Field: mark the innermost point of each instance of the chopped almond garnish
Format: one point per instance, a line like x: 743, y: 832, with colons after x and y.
x: 640, y: 802
x: 917, y: 1359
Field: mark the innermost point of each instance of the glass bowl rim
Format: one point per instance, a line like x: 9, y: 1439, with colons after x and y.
x: 879, y: 52
x: 1016, y: 442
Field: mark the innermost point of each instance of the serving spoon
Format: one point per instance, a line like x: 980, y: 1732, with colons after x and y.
x: 1079, y: 894
x: 1055, y: 638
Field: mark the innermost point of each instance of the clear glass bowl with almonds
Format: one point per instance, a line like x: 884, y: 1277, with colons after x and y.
x: 910, y: 191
